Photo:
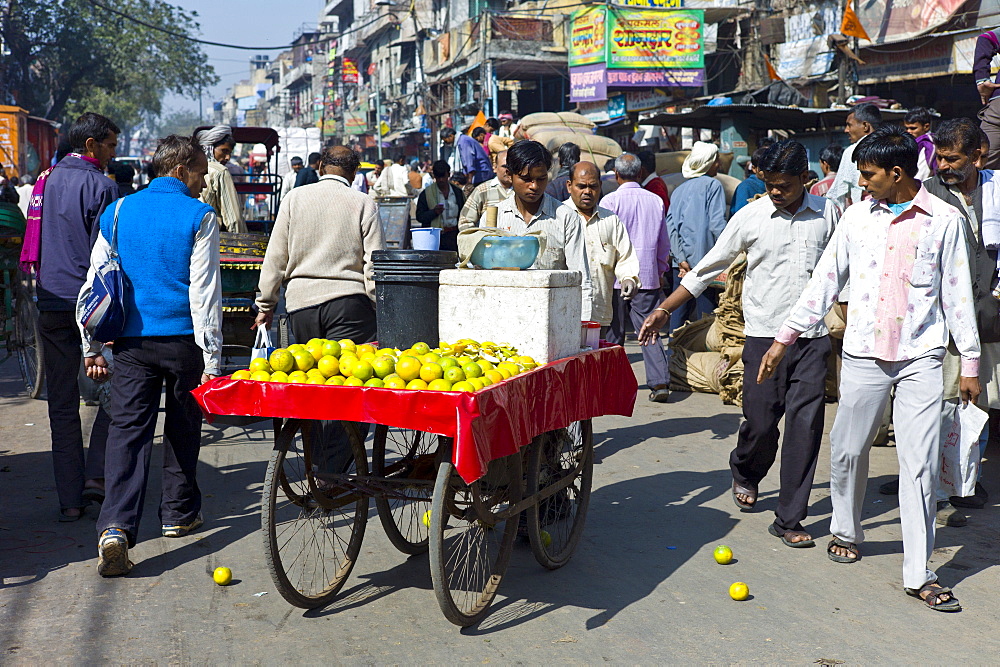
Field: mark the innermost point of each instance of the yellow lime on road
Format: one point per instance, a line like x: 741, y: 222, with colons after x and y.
x: 546, y: 539
x: 723, y: 554
x: 739, y: 591
x: 427, y: 518
x: 222, y: 576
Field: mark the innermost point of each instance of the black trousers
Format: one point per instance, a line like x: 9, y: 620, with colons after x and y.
x: 142, y: 366
x: 61, y: 350
x: 347, y: 317
x: 796, y: 391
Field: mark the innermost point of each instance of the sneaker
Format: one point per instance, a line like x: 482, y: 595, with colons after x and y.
x: 180, y: 530
x: 112, y: 549
x: 949, y: 516
x: 661, y: 395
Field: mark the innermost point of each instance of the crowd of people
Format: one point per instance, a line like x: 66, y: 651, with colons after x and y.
x: 901, y: 239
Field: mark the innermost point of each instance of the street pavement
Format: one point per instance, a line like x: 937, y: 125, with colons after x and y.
x: 642, y: 588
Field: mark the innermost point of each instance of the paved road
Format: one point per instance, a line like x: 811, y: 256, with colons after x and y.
x: 642, y: 588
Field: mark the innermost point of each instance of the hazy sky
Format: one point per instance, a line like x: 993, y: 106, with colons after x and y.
x: 250, y: 22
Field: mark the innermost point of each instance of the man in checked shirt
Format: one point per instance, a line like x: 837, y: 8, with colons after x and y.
x: 905, y: 254
x: 783, y: 236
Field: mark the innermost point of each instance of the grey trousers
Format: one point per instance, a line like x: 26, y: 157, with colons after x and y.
x: 654, y: 357
x: 989, y: 122
x: 864, y: 390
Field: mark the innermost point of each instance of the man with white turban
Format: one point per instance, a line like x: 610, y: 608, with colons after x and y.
x: 220, y: 192
x: 695, y: 220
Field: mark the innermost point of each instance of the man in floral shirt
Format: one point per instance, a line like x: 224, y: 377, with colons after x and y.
x: 905, y: 253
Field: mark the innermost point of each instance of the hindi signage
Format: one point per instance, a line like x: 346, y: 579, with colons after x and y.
x: 655, y: 39
x: 588, y: 36
x: 587, y: 83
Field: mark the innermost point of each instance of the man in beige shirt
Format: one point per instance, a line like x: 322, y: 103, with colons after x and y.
x: 220, y: 191
x: 609, y: 250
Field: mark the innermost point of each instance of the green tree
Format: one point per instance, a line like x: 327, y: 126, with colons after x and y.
x: 69, y: 56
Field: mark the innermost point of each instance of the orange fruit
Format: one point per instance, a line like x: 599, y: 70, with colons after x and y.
x: 316, y: 379
x: 485, y: 365
x: 383, y: 366
x: 347, y: 362
x: 494, y: 376
x: 472, y: 370
x: 454, y: 374
x: 462, y: 386
x: 416, y: 385
x: 241, y: 375
x: 477, y: 383
x: 394, y: 382
x: 296, y: 347
x: 303, y: 360
x: 331, y: 348
x: 282, y: 360
x: 430, y: 372
x: 336, y: 380
x: 503, y: 371
x: 260, y: 376
x: 328, y: 366
x: 315, y: 348
x: 353, y: 382
x: 314, y: 341
x: 363, y: 371
x: 439, y: 385
x: 449, y: 362
x: 347, y: 345
x: 297, y: 377
x: 365, y: 349
x: 279, y: 376
x: 408, y: 368
x: 421, y: 348
x: 260, y: 364
x: 739, y: 591
x: 375, y: 382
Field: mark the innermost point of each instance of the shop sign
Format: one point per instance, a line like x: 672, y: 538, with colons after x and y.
x: 588, y: 83
x: 661, y: 4
x: 644, y: 100
x: 616, y: 106
x: 588, y: 36
x: 656, y: 39
x: 349, y: 72
x: 595, y: 112
x: 678, y: 78
x: 887, y: 22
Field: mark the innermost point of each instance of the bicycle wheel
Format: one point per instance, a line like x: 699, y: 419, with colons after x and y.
x: 556, y: 522
x: 400, y: 454
x: 313, y: 522
x: 27, y: 341
x: 470, y: 545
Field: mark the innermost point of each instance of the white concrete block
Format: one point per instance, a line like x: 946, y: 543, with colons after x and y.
x: 537, y: 312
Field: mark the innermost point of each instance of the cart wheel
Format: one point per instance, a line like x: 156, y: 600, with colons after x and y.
x: 398, y: 454
x: 470, y: 545
x: 27, y: 341
x: 556, y: 456
x: 313, y: 522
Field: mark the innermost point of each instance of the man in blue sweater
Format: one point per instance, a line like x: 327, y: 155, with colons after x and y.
x: 76, y: 194
x: 168, y: 244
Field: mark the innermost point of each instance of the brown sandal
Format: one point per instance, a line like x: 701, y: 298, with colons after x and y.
x: 744, y: 491
x: 933, y: 600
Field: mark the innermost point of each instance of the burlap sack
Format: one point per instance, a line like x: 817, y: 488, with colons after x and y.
x: 691, y: 336
x: 563, y: 118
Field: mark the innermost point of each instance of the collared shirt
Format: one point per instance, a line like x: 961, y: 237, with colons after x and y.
x: 562, y: 240
x: 205, y: 292
x: 611, y: 257
x: 641, y: 212
x: 782, y: 251
x: 845, y: 189
x: 823, y: 185
x: 696, y: 218
x: 487, y: 194
x: 910, y: 283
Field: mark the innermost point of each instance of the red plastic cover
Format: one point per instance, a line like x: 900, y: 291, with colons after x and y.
x: 486, y: 425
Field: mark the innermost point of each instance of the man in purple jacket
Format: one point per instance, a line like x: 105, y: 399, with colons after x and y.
x: 76, y: 193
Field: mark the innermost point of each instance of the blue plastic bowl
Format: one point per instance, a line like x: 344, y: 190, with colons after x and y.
x: 506, y: 252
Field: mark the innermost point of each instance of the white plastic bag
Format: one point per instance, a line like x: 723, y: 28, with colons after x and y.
x: 960, y: 449
x: 262, y: 347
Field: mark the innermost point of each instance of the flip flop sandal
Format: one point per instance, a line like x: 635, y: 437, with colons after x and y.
x: 93, y: 496
x: 737, y: 489
x: 850, y: 546
x: 934, y: 601
x: 802, y: 544
x: 69, y: 518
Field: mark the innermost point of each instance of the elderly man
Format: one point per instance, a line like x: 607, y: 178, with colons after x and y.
x: 487, y: 194
x: 783, y: 236
x: 321, y: 252
x: 220, y: 191
x: 63, y: 225
x: 862, y: 121
x: 439, y: 205
x: 531, y: 211
x: 609, y: 249
x: 976, y: 194
x: 642, y: 213
x: 695, y: 221
x: 168, y: 245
